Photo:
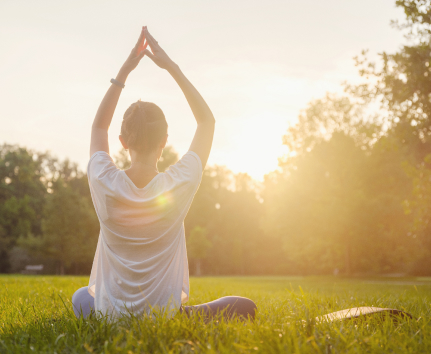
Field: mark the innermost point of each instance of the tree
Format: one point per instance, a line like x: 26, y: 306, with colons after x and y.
x: 326, y: 116
x: 70, y: 229
x: 122, y: 159
x: 168, y: 158
x: 338, y: 201
x: 316, y: 210
x: 227, y: 205
x: 198, y: 246
x: 400, y: 83
x: 418, y: 206
x: 22, y: 191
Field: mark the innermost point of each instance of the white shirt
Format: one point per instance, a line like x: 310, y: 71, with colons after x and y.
x: 141, y: 259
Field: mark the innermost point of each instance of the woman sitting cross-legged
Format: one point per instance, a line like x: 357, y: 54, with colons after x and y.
x: 141, y: 260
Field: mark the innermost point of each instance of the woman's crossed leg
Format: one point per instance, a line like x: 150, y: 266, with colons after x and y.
x: 228, y: 306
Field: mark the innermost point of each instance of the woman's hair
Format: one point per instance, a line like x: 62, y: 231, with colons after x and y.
x: 144, y: 126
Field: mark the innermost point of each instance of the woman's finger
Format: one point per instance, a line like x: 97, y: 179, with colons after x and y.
x: 151, y: 40
x: 149, y: 54
x: 141, y: 37
x: 141, y: 55
x: 138, y: 43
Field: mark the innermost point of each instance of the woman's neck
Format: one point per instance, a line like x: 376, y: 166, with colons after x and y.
x: 139, y: 165
x: 146, y: 162
x: 143, y: 169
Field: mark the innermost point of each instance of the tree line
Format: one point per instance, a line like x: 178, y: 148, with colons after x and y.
x: 353, y: 196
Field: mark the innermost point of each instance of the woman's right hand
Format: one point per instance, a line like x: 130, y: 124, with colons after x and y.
x: 157, y: 54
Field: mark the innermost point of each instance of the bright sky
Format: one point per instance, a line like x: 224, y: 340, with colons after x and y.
x: 256, y: 63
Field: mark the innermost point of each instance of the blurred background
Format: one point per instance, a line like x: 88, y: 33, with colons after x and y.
x: 321, y: 162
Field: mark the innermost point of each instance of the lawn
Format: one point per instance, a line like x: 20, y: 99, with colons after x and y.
x: 36, y: 317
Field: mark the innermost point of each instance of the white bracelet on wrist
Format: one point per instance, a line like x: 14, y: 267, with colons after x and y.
x: 118, y: 83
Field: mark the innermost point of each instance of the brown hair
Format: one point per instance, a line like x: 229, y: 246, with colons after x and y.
x: 144, y: 126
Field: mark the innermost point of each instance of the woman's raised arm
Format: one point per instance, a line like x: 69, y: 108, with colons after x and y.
x: 102, y: 121
x: 203, y: 138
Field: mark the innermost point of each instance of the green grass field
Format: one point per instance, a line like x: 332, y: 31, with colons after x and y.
x: 36, y: 317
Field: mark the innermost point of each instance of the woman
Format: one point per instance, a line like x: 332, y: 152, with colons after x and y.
x: 140, y: 263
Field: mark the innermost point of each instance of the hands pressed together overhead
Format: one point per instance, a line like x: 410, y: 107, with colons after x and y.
x: 202, y: 141
x: 157, y: 54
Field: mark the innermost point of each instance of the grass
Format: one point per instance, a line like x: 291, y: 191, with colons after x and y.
x: 36, y: 317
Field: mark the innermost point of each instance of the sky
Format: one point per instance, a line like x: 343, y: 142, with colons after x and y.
x: 256, y: 63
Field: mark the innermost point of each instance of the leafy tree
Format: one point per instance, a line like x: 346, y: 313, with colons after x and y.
x: 341, y: 192
x: 70, y: 229
x: 122, y: 159
x: 418, y: 206
x: 316, y: 210
x: 400, y: 82
x: 198, y: 246
x: 227, y: 206
x: 324, y: 117
x: 22, y: 192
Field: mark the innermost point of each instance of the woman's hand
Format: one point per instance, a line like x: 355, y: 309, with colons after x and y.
x: 134, y: 58
x: 157, y: 54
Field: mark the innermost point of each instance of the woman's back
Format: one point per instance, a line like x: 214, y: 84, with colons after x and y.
x: 141, y: 259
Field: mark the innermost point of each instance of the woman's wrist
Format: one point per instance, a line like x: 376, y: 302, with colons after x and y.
x: 174, y: 69
x: 122, y: 75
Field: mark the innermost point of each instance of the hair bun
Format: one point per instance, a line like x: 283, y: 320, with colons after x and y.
x: 138, y: 129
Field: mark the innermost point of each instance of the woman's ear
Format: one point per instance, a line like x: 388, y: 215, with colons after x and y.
x: 123, y: 142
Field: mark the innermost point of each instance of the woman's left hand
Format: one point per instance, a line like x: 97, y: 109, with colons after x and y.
x: 134, y: 58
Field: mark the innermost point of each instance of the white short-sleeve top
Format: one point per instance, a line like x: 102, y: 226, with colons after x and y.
x: 141, y: 259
